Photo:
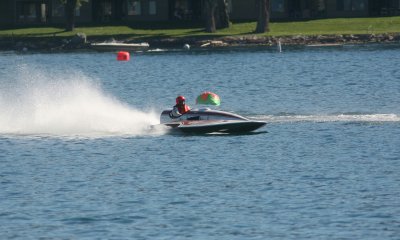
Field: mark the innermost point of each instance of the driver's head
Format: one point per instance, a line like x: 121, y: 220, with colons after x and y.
x: 180, y: 100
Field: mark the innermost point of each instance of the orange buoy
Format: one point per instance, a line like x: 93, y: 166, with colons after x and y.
x: 123, y: 56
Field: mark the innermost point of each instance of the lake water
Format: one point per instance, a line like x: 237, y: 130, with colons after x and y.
x: 78, y: 159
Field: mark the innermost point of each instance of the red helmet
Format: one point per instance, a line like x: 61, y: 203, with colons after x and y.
x: 180, y: 99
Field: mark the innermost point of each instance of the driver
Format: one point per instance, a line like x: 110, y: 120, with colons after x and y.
x: 180, y: 108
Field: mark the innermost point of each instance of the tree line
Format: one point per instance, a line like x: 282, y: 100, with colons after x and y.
x: 215, y: 11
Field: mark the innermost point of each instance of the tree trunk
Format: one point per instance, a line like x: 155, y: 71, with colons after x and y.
x: 222, y: 15
x: 70, y: 8
x: 263, y: 16
x: 209, y: 8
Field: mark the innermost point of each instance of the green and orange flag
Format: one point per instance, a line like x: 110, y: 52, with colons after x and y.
x: 208, y: 98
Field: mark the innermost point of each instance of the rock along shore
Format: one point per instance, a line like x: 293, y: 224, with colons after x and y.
x: 80, y: 42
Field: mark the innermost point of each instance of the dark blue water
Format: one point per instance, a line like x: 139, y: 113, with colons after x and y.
x: 79, y: 161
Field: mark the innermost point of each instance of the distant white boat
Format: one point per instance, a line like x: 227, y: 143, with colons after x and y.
x: 325, y: 45
x: 114, y: 46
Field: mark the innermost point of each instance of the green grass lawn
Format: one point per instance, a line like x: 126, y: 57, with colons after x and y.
x: 176, y: 30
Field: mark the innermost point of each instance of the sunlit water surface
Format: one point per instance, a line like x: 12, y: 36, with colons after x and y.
x: 80, y: 160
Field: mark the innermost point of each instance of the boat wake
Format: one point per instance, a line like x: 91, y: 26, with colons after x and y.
x: 67, y: 105
x: 365, y: 118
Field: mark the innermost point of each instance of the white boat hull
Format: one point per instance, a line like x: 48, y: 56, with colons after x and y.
x: 120, y: 46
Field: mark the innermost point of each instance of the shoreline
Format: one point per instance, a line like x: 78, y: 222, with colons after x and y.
x: 80, y: 43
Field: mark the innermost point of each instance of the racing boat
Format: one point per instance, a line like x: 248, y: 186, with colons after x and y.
x: 199, y: 121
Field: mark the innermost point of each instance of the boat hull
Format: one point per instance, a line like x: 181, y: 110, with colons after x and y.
x: 120, y: 46
x: 201, y: 127
x: 209, y: 121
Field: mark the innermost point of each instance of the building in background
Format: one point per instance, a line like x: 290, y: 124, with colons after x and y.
x: 38, y: 12
x: 48, y: 12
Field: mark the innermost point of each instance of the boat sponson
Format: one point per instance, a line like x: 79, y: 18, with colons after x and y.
x: 218, y: 126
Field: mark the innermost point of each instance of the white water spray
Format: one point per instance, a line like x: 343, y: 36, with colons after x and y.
x: 279, y: 47
x: 330, y: 118
x: 66, y: 105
